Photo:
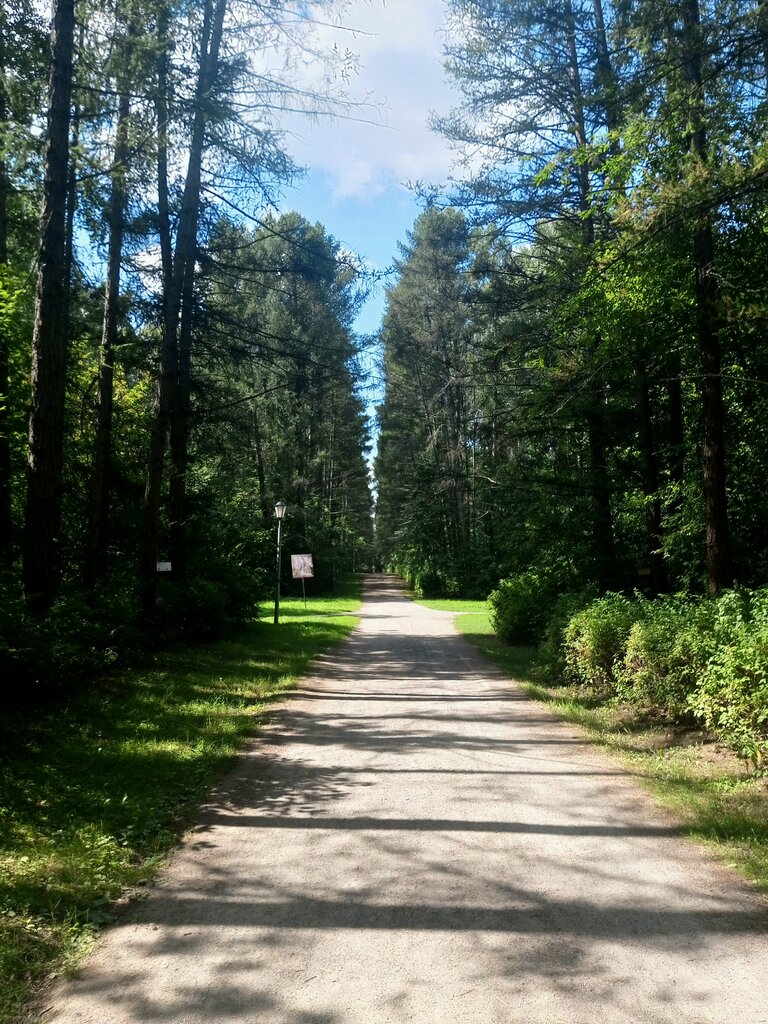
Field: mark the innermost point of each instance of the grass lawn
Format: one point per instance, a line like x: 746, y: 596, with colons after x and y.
x: 95, y: 792
x: 714, y: 796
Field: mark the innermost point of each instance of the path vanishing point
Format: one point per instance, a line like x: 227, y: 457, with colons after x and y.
x: 411, y: 839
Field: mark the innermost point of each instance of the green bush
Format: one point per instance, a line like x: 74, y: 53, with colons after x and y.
x: 595, y: 639
x: 519, y: 606
x: 207, y: 608
x: 425, y: 576
x: 676, y: 658
x: 667, y: 650
x: 732, y: 698
x: 75, y: 640
x: 550, y: 658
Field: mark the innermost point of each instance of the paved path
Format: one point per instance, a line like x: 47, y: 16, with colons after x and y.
x: 411, y: 839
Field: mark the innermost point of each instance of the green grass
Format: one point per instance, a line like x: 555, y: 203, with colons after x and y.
x: 94, y: 793
x: 714, y: 797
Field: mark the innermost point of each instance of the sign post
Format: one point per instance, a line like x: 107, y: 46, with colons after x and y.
x: 302, y: 569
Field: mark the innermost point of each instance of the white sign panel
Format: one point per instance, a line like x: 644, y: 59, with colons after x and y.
x: 301, y: 567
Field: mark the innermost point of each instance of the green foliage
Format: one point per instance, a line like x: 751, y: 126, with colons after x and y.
x: 550, y: 658
x: 732, y: 697
x: 666, y: 652
x: 520, y: 605
x: 595, y: 640
x: 425, y: 575
x: 677, y: 659
x: 209, y: 607
x: 43, y: 657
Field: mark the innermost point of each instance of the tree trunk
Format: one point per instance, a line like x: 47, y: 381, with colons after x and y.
x: 173, y: 381
x: 719, y: 567
x: 100, y: 484
x: 762, y: 21
x: 166, y: 378
x: 260, y: 470
x: 177, y: 493
x: 650, y: 474
x: 186, y: 252
x: 6, y: 537
x: 603, y: 539
x: 42, y: 521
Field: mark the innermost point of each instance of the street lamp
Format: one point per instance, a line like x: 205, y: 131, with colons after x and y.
x: 280, y: 509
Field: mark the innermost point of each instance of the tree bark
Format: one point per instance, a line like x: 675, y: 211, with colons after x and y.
x: 100, y: 472
x: 42, y: 521
x: 6, y: 526
x: 718, y: 546
x: 260, y: 470
x: 603, y: 538
x: 650, y: 475
x: 173, y: 381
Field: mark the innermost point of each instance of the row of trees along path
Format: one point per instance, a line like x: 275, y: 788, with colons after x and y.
x: 191, y: 361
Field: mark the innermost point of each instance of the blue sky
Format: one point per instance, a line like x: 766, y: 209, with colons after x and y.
x: 358, y: 172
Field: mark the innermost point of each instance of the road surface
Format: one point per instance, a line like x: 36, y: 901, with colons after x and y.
x: 412, y: 839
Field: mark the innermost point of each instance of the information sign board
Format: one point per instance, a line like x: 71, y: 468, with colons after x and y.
x: 302, y: 567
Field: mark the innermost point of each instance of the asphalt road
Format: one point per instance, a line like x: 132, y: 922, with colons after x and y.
x: 412, y: 839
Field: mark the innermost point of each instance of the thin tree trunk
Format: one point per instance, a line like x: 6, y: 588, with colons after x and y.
x: 42, y: 520
x: 166, y: 378
x: 762, y: 21
x: 603, y: 539
x: 676, y: 430
x: 177, y: 493
x: 719, y: 566
x: 6, y: 537
x: 100, y: 483
x: 175, y: 366
x: 650, y: 474
x: 260, y: 471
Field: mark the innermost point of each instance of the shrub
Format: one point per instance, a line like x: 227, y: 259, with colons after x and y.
x: 732, y: 698
x: 666, y: 653
x: 550, y: 659
x: 207, y: 608
x: 519, y: 606
x: 595, y: 639
x: 75, y: 640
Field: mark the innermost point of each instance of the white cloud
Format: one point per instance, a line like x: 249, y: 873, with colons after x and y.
x: 399, y: 44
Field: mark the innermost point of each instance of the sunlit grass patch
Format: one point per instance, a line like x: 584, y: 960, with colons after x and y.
x: 94, y: 792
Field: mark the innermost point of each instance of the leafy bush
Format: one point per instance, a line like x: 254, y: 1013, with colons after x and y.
x: 426, y: 576
x: 674, y: 657
x: 666, y: 653
x: 207, y: 608
x: 595, y: 639
x: 550, y: 661
x: 732, y: 698
x: 75, y: 640
x: 519, y: 606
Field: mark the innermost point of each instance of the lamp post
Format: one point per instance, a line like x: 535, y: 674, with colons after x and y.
x: 280, y: 509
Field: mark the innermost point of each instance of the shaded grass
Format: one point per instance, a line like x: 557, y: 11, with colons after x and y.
x: 95, y: 792
x: 714, y: 796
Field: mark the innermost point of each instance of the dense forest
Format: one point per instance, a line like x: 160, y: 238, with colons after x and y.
x: 574, y: 347
x: 576, y: 374
x: 174, y: 358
